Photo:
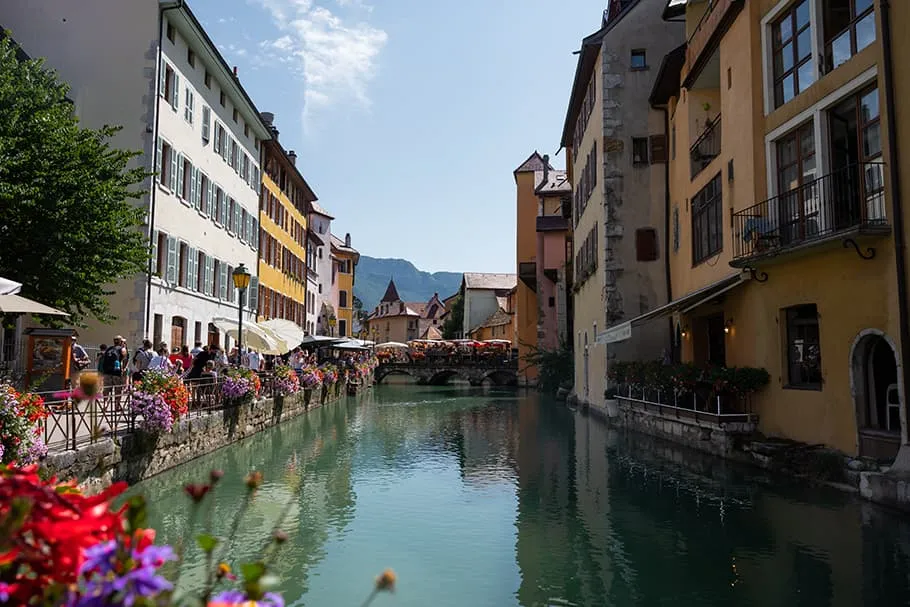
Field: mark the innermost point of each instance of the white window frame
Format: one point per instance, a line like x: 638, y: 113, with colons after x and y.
x: 206, y: 124
x: 818, y: 50
x: 818, y: 113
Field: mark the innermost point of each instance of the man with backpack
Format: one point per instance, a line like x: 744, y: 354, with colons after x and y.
x: 142, y: 359
x: 114, y: 363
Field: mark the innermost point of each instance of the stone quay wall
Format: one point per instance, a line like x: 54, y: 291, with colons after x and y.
x: 137, y: 456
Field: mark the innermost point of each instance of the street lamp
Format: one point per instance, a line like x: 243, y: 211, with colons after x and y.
x: 241, y: 278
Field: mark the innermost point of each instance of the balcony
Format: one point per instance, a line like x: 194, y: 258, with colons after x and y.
x: 527, y: 273
x: 845, y: 203
x: 706, y: 148
x: 552, y: 223
x: 710, y: 29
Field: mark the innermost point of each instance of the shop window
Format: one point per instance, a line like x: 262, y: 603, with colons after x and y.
x: 804, y: 367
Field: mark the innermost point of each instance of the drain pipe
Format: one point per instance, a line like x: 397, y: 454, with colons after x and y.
x: 667, y: 236
x: 897, y: 219
x: 153, y: 190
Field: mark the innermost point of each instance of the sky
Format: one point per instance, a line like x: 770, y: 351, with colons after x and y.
x: 409, y: 116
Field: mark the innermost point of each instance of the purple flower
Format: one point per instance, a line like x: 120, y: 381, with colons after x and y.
x: 156, y: 414
x: 103, y: 588
x: 236, y: 387
x: 34, y: 453
x: 236, y: 597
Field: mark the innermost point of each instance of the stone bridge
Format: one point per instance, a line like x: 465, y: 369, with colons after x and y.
x: 503, y: 373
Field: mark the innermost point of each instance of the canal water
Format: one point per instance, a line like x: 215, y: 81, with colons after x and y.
x: 485, y: 498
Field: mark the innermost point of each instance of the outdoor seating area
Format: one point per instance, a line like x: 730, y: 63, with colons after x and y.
x: 457, y: 351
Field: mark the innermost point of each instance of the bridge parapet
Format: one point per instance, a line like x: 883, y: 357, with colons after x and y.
x: 429, y: 372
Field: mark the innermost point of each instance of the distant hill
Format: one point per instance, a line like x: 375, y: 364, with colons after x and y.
x: 373, y: 275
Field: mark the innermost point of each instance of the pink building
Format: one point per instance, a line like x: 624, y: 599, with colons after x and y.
x: 554, y: 246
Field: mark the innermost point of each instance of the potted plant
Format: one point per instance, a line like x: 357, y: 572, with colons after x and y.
x: 611, y: 402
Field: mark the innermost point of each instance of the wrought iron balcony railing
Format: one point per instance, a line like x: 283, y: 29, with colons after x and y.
x: 850, y: 199
x: 706, y: 148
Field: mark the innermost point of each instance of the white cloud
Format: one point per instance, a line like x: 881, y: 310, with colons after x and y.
x: 335, y: 58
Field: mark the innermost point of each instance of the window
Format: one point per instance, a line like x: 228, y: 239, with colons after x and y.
x: 342, y: 299
x: 849, y: 27
x: 707, y: 216
x: 244, y: 225
x: 182, y: 275
x: 791, y: 53
x: 658, y: 148
x: 246, y: 130
x: 804, y: 365
x: 170, y: 274
x: 206, y: 124
x: 676, y: 228
x: 169, y: 86
x: 208, y: 79
x: 168, y: 165
x: 551, y: 303
x: 185, y: 181
x: 646, y: 244
x: 157, y: 328
x: 235, y: 115
x: 796, y: 163
x: 232, y: 161
x: 197, y: 332
x: 221, y: 98
x: 218, y: 215
x: 191, y: 57
x: 160, y: 254
x: 192, y: 269
x: 171, y: 35
x: 639, y: 150
x: 190, y: 103
x: 639, y: 59
x: 342, y: 328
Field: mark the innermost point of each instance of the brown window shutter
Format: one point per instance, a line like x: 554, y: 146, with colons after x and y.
x: 658, y: 148
x: 646, y: 244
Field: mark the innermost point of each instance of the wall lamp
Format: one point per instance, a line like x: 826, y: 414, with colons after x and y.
x: 685, y: 332
x: 728, y: 326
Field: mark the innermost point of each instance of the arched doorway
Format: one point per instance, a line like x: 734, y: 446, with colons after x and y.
x: 876, y: 394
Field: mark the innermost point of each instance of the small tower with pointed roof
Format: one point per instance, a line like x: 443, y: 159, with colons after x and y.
x: 391, y: 293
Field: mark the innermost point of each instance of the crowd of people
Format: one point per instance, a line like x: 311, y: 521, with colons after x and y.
x: 120, y: 367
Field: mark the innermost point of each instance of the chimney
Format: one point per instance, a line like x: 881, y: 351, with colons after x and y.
x: 292, y: 156
x: 546, y: 168
x: 235, y: 71
x: 268, y: 118
x: 347, y: 240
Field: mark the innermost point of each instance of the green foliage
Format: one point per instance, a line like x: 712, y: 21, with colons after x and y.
x: 66, y: 220
x: 454, y: 322
x: 683, y: 377
x: 555, y: 368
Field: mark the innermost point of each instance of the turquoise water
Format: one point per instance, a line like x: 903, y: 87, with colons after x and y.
x: 500, y: 498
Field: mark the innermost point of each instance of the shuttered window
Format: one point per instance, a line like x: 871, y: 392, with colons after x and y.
x: 171, y: 275
x: 658, y: 148
x: 646, y: 244
x: 253, y: 293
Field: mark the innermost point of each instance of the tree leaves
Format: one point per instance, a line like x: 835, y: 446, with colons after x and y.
x: 71, y: 220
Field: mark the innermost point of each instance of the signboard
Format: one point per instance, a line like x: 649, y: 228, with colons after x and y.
x: 615, y: 334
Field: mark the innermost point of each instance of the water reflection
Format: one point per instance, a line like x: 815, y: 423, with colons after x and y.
x: 493, y: 498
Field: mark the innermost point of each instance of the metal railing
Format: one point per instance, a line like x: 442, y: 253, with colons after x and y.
x: 706, y: 148
x: 697, y: 405
x: 72, y: 423
x: 847, y: 199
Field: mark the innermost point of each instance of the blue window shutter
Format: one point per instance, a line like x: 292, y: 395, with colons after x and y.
x: 253, y: 293
x: 158, y: 159
x: 175, y: 94
x: 162, y: 78
x: 171, y: 275
x: 154, y: 252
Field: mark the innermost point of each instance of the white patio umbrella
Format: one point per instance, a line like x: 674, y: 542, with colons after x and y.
x: 9, y: 287
x: 392, y: 344
x: 254, y: 336
x: 16, y: 304
x: 288, y: 331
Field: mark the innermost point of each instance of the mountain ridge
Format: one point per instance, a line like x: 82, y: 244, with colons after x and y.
x: 373, y: 274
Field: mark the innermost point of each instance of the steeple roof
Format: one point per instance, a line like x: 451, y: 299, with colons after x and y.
x: 391, y: 293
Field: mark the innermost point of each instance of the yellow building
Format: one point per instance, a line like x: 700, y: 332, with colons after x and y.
x: 393, y: 319
x: 782, y: 253
x: 283, y: 206
x: 344, y: 260
x: 501, y: 324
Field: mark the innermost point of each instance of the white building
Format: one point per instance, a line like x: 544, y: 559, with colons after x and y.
x: 321, y: 225
x: 484, y: 294
x: 160, y: 76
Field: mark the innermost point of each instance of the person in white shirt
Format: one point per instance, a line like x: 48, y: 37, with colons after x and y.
x: 161, y: 362
x: 253, y: 360
x: 197, y: 348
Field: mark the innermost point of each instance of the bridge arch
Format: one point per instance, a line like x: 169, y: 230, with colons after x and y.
x: 502, y: 377
x: 442, y: 377
x: 383, y: 372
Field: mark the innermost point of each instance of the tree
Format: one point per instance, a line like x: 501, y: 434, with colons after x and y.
x: 359, y: 314
x: 67, y: 223
x: 454, y: 323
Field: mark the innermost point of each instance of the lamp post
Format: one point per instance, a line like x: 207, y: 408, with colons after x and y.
x: 241, y: 278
